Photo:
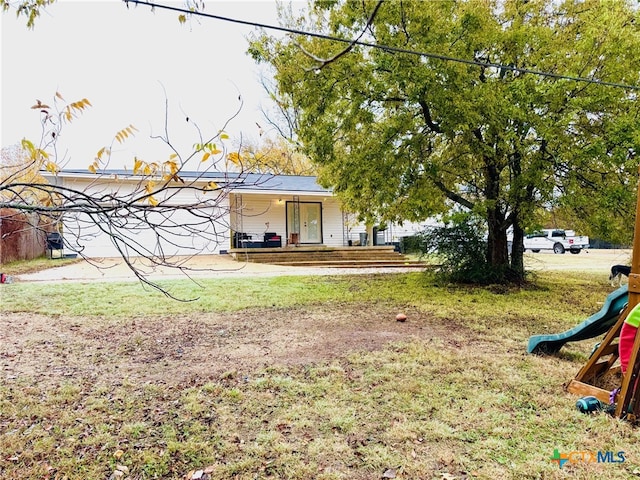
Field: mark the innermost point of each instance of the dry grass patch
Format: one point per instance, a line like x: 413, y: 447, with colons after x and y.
x: 329, y: 389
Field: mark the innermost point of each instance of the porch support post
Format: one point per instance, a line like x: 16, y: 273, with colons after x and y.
x: 369, y: 235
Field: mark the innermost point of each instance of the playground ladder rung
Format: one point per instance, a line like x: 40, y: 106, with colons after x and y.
x: 609, y: 349
x: 584, y: 390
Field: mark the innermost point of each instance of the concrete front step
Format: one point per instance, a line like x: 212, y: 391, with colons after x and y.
x: 274, y: 258
x: 270, y: 258
x: 353, y: 264
x: 322, y: 256
x: 284, y: 251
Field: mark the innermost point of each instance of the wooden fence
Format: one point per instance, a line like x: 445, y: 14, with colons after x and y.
x: 23, y: 236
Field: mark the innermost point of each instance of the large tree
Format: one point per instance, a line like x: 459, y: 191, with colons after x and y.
x: 424, y: 105
x: 277, y: 156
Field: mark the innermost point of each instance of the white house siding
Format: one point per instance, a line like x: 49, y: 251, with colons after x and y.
x: 407, y: 229
x: 84, y: 235
x: 394, y: 231
x: 334, y: 231
x: 139, y: 240
x: 256, y: 214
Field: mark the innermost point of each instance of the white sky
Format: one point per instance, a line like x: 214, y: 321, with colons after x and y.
x: 123, y: 60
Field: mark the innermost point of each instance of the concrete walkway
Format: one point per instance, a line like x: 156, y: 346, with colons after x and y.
x: 202, y: 266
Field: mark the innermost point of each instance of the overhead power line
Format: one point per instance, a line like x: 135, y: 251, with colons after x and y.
x: 388, y: 48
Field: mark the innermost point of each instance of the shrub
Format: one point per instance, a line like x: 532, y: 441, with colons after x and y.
x: 412, y: 244
x: 460, y: 244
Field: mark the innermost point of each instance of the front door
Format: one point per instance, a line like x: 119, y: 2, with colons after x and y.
x: 305, y: 219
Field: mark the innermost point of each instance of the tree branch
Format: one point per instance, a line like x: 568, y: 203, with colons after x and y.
x: 177, y: 211
x: 323, y: 62
x: 426, y: 113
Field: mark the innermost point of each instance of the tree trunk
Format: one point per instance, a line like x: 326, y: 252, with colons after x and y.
x: 497, y: 251
x: 517, y: 252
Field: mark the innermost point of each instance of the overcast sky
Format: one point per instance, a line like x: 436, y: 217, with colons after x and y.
x: 123, y: 61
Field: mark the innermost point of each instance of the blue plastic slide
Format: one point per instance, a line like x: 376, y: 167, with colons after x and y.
x: 595, y: 325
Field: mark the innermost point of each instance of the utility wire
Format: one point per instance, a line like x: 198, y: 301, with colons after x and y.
x: 387, y: 48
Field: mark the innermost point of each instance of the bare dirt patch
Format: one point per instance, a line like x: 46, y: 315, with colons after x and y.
x: 175, y: 350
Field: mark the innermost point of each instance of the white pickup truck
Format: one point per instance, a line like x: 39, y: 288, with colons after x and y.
x: 557, y: 240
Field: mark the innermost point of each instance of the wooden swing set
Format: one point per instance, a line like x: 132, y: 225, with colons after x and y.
x: 603, y: 359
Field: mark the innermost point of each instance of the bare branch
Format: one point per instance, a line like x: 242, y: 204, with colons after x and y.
x: 158, y: 214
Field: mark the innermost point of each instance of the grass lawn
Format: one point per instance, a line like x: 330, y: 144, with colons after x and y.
x: 29, y: 266
x: 299, y: 378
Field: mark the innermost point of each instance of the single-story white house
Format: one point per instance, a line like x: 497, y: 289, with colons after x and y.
x: 242, y: 211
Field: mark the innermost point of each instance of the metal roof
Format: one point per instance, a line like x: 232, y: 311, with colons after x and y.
x: 254, y: 182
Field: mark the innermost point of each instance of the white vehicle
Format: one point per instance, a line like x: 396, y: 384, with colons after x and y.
x: 557, y: 240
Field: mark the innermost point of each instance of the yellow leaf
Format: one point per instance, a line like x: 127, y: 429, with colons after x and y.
x: 205, y: 157
x: 224, y: 136
x: 153, y: 201
x: 149, y: 186
x: 28, y: 145
x: 124, y: 133
x: 211, y: 186
x: 182, y: 18
x: 87, y: 102
x: 173, y: 156
x: 136, y: 166
x: 234, y: 157
x: 31, y: 148
x: 215, y: 152
x: 92, y: 168
x: 52, y: 167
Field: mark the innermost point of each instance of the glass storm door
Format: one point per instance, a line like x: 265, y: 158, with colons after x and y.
x: 305, y: 219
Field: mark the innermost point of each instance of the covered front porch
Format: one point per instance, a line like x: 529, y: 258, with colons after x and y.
x: 278, y: 220
x: 284, y: 211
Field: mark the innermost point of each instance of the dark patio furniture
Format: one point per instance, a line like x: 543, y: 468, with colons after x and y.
x: 55, y: 245
x: 240, y: 239
x: 272, y: 240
